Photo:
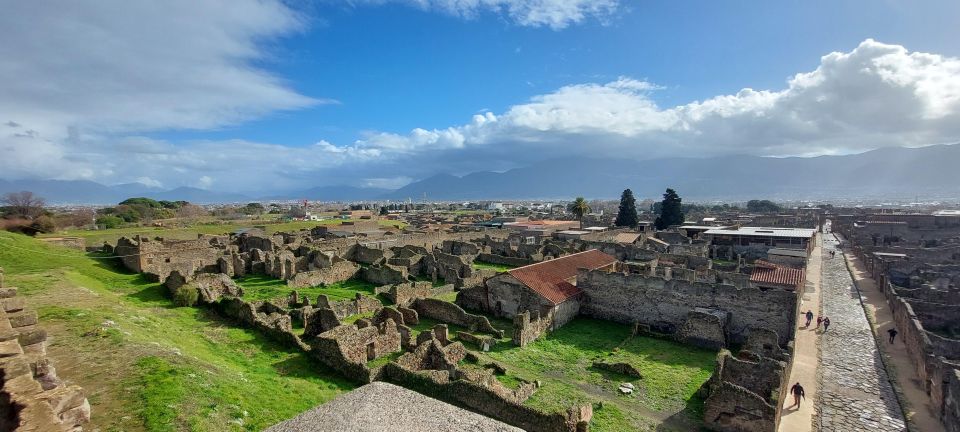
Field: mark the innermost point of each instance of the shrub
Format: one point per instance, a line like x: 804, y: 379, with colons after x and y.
x: 109, y: 221
x: 186, y: 295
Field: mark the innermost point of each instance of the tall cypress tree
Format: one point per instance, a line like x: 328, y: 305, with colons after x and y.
x: 670, y: 210
x: 627, y: 214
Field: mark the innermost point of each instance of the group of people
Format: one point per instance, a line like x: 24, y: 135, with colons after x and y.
x: 797, y: 390
x: 825, y: 321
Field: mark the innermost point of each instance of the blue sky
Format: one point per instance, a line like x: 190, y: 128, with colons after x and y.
x: 207, y: 102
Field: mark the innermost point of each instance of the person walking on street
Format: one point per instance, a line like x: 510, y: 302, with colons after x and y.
x: 819, y: 321
x: 826, y: 324
x: 797, y: 392
x: 809, y: 316
x: 893, y: 334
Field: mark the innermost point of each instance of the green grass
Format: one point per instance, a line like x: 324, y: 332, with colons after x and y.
x: 149, y: 366
x: 563, y: 360
x: 261, y: 287
x: 480, y: 265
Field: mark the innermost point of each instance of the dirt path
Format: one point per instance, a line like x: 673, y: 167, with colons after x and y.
x: 806, y: 356
x: 918, y: 409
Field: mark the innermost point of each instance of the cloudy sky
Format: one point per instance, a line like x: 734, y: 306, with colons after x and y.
x: 263, y: 95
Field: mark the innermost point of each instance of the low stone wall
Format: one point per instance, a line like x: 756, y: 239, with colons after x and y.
x: 405, y: 294
x: 32, y: 397
x: 384, y: 274
x: 344, y: 308
x: 276, y: 325
x: 338, y: 271
x: 452, y: 314
x: 731, y: 408
x: 504, y: 260
x: 348, y: 348
x: 431, y: 370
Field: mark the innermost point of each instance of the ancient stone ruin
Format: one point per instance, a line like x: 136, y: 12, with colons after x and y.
x: 32, y: 397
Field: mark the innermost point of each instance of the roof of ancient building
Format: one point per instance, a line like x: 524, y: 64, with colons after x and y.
x: 768, y: 272
x: 380, y: 406
x: 551, y: 279
x: 626, y: 237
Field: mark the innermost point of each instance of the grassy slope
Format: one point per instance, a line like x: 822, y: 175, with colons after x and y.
x: 148, y: 366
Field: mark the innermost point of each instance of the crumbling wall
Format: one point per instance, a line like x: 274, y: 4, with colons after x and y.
x: 703, y: 329
x: 432, y: 369
x: 384, y: 274
x: 32, y: 397
x: 348, y: 348
x: 664, y: 304
x: 337, y: 272
x: 452, y: 314
x: 526, y: 330
x: 731, y: 408
x: 404, y: 294
x: 344, y: 308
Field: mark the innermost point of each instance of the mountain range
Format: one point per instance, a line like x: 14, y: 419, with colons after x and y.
x: 932, y: 171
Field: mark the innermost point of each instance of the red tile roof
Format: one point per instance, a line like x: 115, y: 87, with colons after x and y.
x: 767, y: 272
x: 551, y: 279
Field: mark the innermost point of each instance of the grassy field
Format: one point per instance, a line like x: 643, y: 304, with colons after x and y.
x: 480, y: 265
x: 666, y: 395
x: 97, y: 237
x: 147, y: 366
x: 260, y: 287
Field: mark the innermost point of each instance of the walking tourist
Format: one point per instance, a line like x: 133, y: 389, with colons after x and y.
x: 809, y: 316
x: 893, y: 334
x: 819, y: 321
x: 826, y: 324
x: 797, y: 392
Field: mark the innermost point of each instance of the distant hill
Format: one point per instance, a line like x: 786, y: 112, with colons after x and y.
x: 88, y: 192
x: 885, y: 173
x: 890, y: 172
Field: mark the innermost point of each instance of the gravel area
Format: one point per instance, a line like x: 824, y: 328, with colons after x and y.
x: 386, y: 407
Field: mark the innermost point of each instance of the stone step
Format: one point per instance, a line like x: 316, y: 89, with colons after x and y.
x: 13, y: 304
x: 22, y: 318
x: 10, y: 348
x: 7, y: 292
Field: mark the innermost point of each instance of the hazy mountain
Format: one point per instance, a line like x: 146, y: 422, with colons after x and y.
x: 885, y: 173
x: 891, y: 173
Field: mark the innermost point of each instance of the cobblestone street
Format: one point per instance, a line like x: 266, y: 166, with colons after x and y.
x: 855, y: 393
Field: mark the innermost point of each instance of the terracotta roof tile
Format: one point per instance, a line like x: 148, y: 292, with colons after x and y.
x: 551, y: 279
x: 767, y: 272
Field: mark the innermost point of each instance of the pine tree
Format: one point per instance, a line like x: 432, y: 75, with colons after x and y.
x: 627, y: 214
x: 670, y: 210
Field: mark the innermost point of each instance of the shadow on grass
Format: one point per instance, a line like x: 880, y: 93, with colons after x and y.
x: 690, y: 418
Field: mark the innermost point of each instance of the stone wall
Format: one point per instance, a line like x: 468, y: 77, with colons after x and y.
x: 951, y: 402
x: 526, y: 330
x: 404, y: 294
x: 504, y: 260
x: 664, y: 304
x: 743, y: 394
x: 450, y: 313
x: 348, y: 348
x: 344, y: 308
x: 337, y: 272
x: 704, y: 329
x: 32, y: 397
x: 432, y: 370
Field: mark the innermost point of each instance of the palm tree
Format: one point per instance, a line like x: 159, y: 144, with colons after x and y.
x: 579, y: 207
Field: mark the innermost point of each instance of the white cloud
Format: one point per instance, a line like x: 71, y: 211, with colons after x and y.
x: 74, y: 73
x: 875, y: 95
x: 556, y: 14
x: 149, y: 182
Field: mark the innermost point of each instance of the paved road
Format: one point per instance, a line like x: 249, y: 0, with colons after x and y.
x: 855, y: 393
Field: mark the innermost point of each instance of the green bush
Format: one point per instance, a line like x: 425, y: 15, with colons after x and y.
x: 109, y: 221
x: 186, y: 295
